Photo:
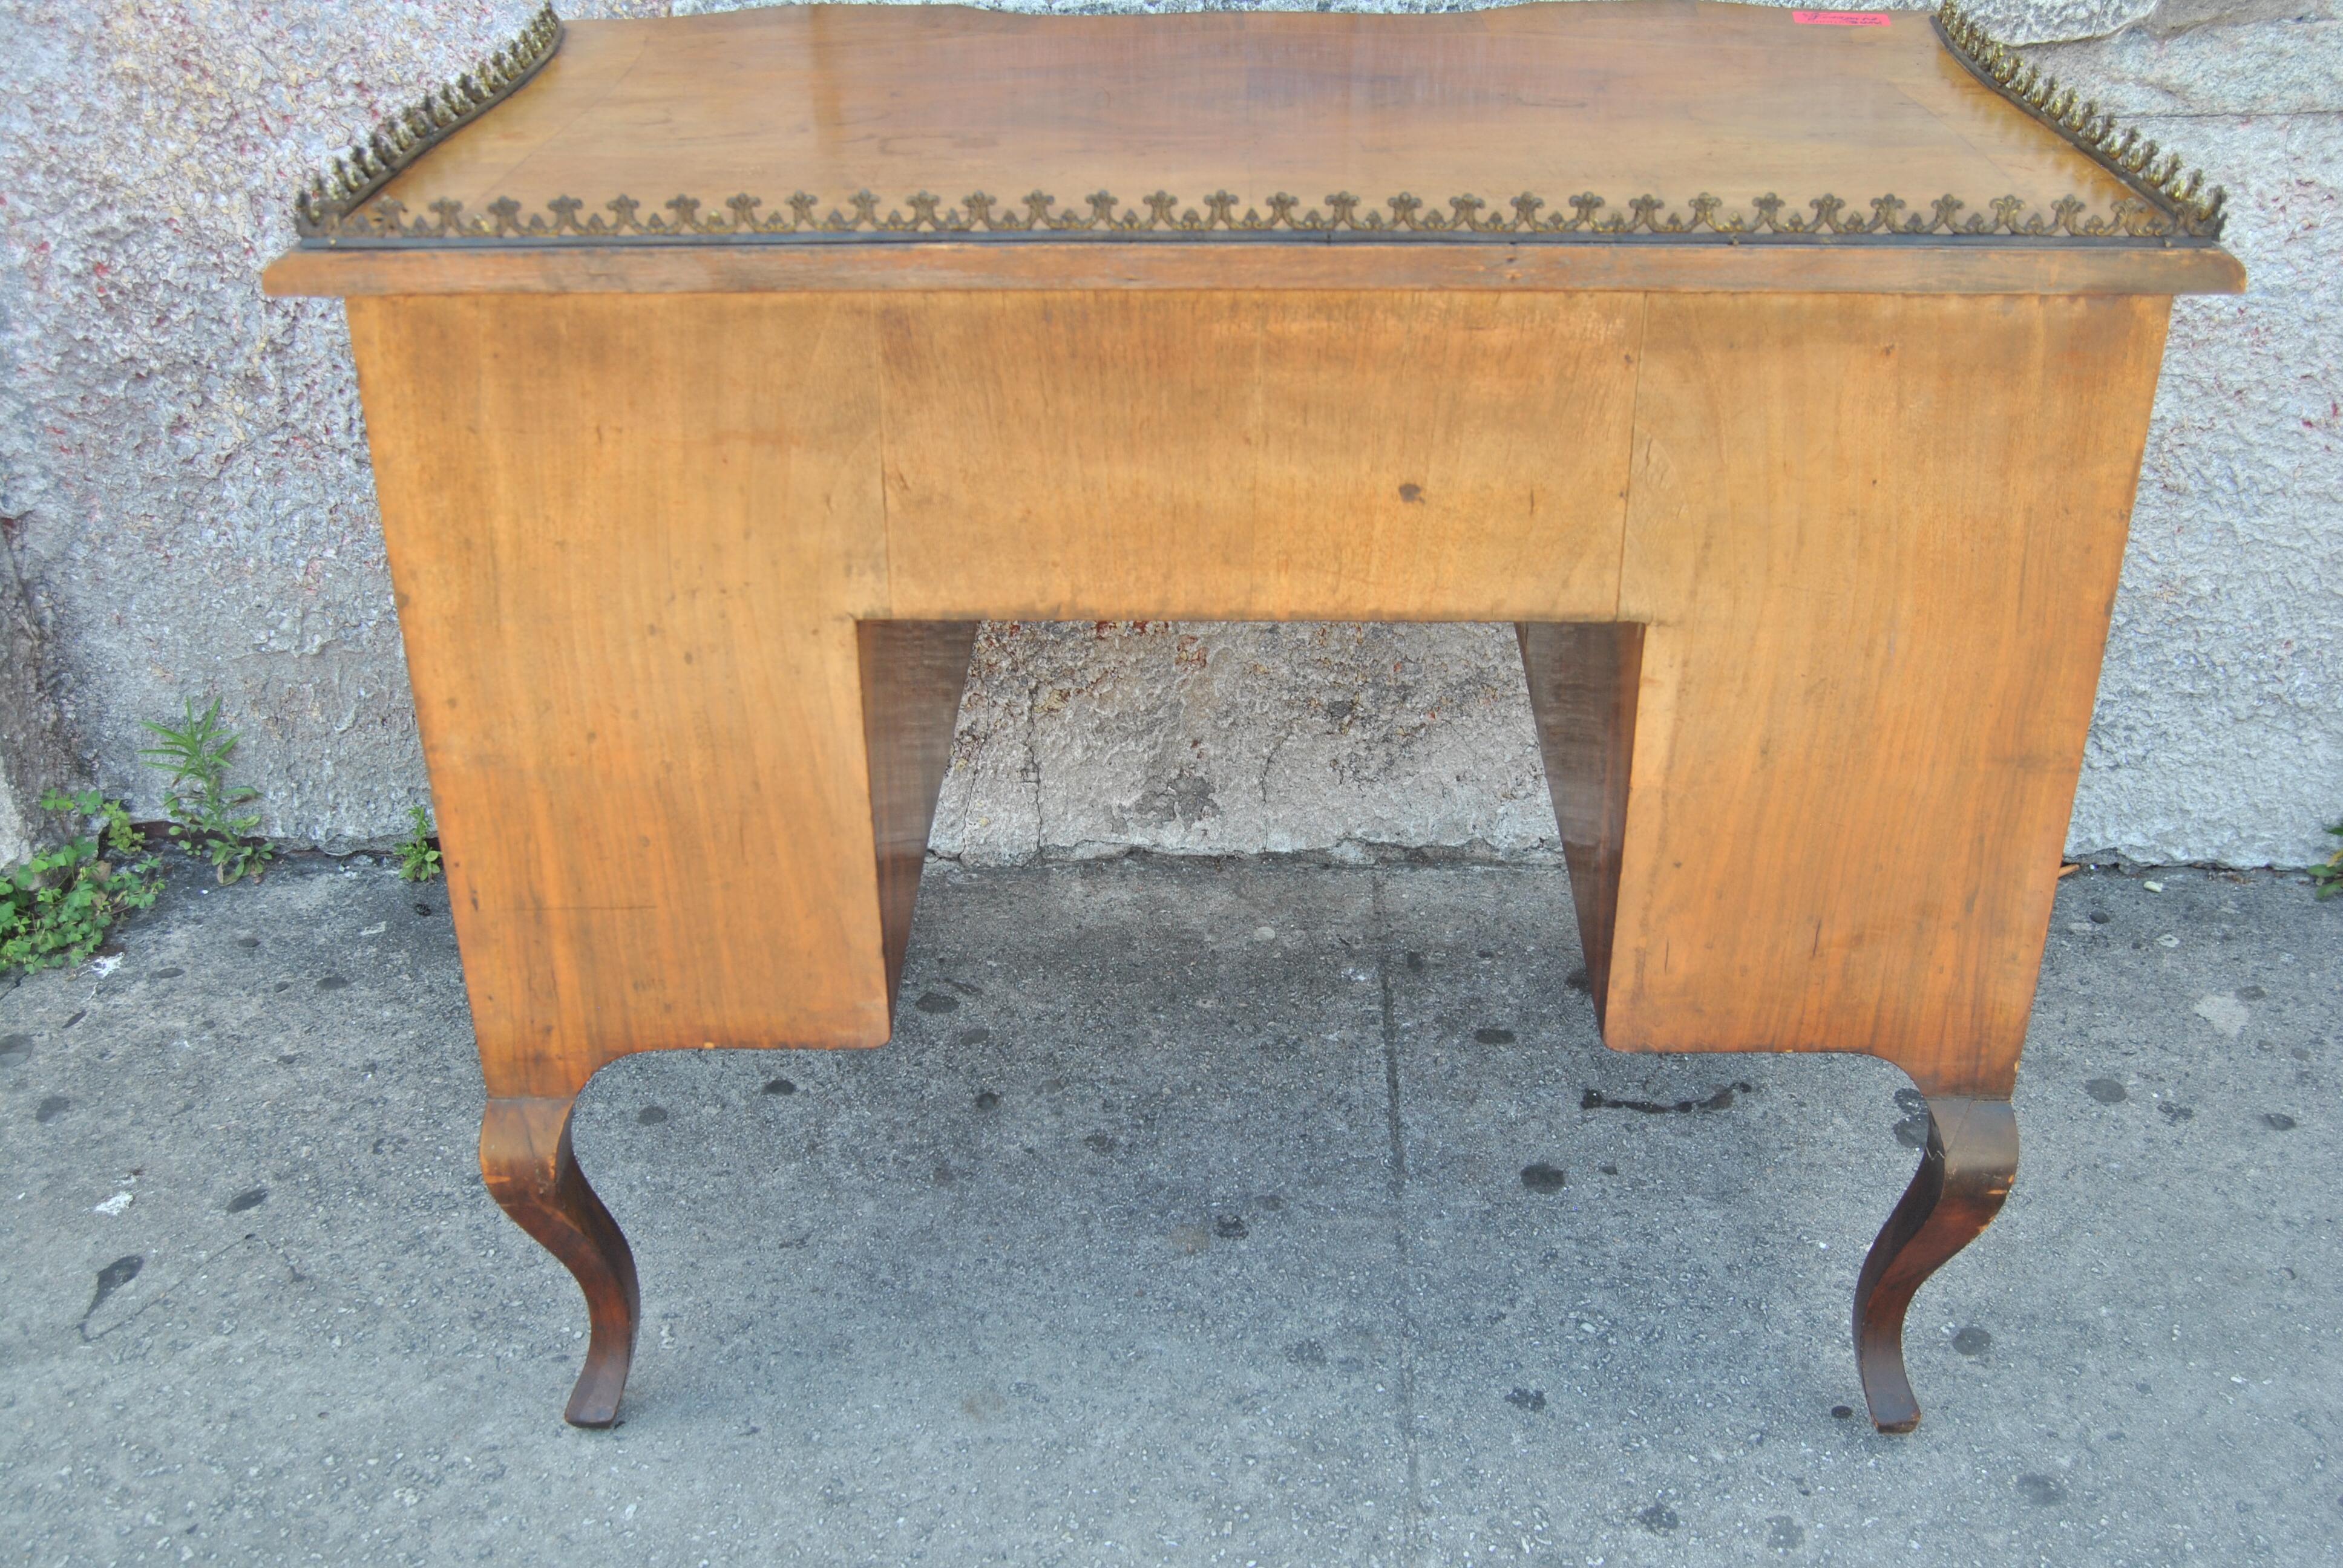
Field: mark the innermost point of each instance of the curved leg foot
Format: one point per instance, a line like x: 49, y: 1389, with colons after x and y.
x: 1963, y: 1178
x: 526, y: 1158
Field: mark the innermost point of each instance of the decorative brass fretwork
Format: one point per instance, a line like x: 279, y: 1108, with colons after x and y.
x: 2178, y: 197
x: 337, y: 191
x: 1103, y: 216
x: 340, y: 209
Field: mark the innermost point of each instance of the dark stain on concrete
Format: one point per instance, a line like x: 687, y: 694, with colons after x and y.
x: 651, y: 1115
x: 1577, y: 980
x: 1306, y: 1353
x: 779, y: 1086
x: 332, y: 982
x: 1784, y: 1534
x: 112, y: 1277
x: 15, y: 1044
x: 1595, y: 1099
x: 51, y: 1107
x: 250, y: 1198
x: 2277, y: 1121
x: 1184, y: 798
x: 1913, y: 1132
x: 1230, y: 1228
x: 1493, y: 1036
x: 937, y: 1001
x: 2176, y: 1113
x: 2042, y: 1490
x: 1100, y: 1143
x: 987, y: 1101
x: 172, y: 972
x: 1659, y: 1519
x: 1542, y: 1177
x: 2106, y: 1091
x: 1973, y: 1341
x: 1529, y: 1399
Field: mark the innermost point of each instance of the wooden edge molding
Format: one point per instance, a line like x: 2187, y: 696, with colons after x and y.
x: 880, y: 266
x: 342, y: 206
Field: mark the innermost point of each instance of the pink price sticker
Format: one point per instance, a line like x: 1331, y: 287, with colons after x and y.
x: 1839, y: 18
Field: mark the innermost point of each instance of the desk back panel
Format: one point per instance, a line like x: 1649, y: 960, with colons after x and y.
x: 1872, y: 541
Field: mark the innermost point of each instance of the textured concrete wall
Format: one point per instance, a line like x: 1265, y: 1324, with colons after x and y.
x: 183, y: 468
x: 2219, y: 729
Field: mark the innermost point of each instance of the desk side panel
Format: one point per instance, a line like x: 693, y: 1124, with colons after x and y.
x: 1875, y: 542
x: 630, y: 538
x: 1248, y: 456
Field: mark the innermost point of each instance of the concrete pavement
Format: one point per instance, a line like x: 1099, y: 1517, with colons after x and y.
x: 1242, y: 1212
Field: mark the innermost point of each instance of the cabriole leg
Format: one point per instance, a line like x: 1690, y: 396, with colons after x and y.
x: 525, y: 1158
x: 1964, y: 1176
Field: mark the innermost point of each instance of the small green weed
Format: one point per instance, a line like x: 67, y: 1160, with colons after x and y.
x: 57, y: 907
x: 419, y: 857
x: 202, y: 802
x: 2328, y: 877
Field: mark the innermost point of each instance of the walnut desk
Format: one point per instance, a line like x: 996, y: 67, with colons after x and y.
x: 1782, y: 378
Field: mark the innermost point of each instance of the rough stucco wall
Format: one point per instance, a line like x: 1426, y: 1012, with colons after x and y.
x: 2218, y: 733
x: 185, y: 468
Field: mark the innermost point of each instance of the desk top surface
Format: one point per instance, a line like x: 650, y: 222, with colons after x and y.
x: 1660, y: 122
